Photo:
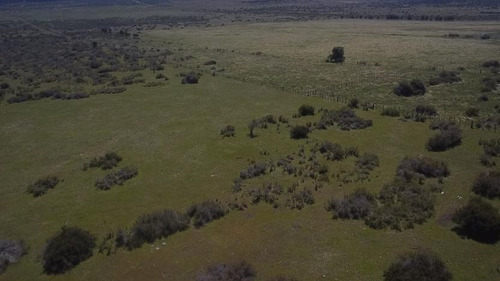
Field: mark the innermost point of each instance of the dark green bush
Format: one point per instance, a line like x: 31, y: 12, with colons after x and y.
x: 10, y: 252
x: 106, y: 162
x: 337, y: 55
x: 445, y: 77
x: 478, y: 220
x: 41, y: 186
x: 445, y: 139
x: 305, y: 110
x: 240, y: 271
x: 332, y: 151
x: 190, y: 78
x: 390, y: 111
x: 408, y: 89
x: 472, y: 112
x: 417, y: 266
x: 67, y: 249
x: 487, y: 184
x: 356, y: 205
x: 344, y: 118
x: 299, y: 132
x: 150, y: 227
x: 206, y: 212
x: 491, y: 147
x: 367, y: 162
x: 422, y: 165
x: 227, y: 131
x: 491, y: 63
x: 428, y: 110
x: 353, y: 103
x: 116, y: 178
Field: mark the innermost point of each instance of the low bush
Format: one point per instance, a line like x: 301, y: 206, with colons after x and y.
x: 472, y: 112
x: 206, y: 212
x: 356, y: 205
x: 408, y: 89
x: 487, y: 184
x: 254, y: 170
x: 150, y: 227
x: 491, y: 147
x: 390, y: 111
x: 332, y: 151
x: 427, y: 110
x: 441, y: 125
x: 299, y: 132
x: 367, y: 162
x: 109, y: 91
x: 190, y: 78
x: 41, y: 186
x: 353, y: 103
x: 18, y: 98
x: 445, y: 77
x: 301, y: 198
x: 71, y: 246
x: 240, y: 271
x: 420, y: 265
x: 445, y: 139
x: 116, y: 178
x: 490, y: 84
x: 403, y: 204
x: 10, y: 252
x: 105, y: 162
x: 4, y: 86
x: 210, y: 62
x: 478, y: 220
x: 227, y: 131
x: 344, y: 118
x: 491, y: 63
x: 282, y: 278
x: 306, y: 110
x: 421, y: 165
x: 268, y: 193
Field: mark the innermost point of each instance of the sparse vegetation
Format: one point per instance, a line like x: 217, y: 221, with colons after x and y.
x: 42, y: 186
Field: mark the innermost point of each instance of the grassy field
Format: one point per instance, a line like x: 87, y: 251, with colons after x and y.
x: 378, y: 55
x: 171, y: 134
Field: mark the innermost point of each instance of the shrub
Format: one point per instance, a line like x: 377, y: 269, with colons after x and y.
x: 356, y: 205
x: 10, y: 252
x: 282, y: 278
x: 210, y: 62
x: 106, y: 162
x: 67, y: 249
x: 472, y: 112
x: 417, y: 266
x: 446, y: 139
x: 353, y: 103
x: 300, y: 198
x: 487, y: 184
x: 116, y: 178
x: 227, y: 131
x: 421, y: 165
x: 478, y: 220
x: 367, y: 162
x: 332, y: 151
x: 4, y: 86
x: 299, y: 132
x: 491, y: 63
x: 254, y: 170
x: 41, y: 186
x: 150, y: 227
x: 337, y: 55
x: 390, y: 111
x: 240, y: 271
x: 110, y: 90
x: 403, y: 204
x: 345, y: 118
x: 18, y: 98
x: 445, y: 77
x: 441, y: 125
x: 206, y: 212
x: 492, y: 147
x: 254, y: 124
x: 190, y: 78
x: 489, y: 84
x: 305, y: 110
x: 428, y: 110
x: 408, y: 89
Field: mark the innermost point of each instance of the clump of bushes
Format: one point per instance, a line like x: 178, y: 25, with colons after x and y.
x: 206, y: 212
x: 472, y: 111
x: 487, y: 184
x: 447, y: 138
x: 478, y: 220
x: 109, y: 91
x: 408, y: 89
x: 227, y: 131
x: 356, y: 205
x: 332, y: 151
x: 299, y: 132
x: 344, y: 118
x: 105, y: 162
x: 367, y: 162
x: 10, y: 252
x: 490, y: 84
x: 353, y: 103
x: 421, y: 265
x: 306, y: 110
x: 116, y: 178
x: 150, y: 227
x: 190, y: 78
x: 254, y: 170
x: 445, y: 77
x: 71, y: 246
x: 337, y: 55
x: 421, y: 166
x: 391, y: 111
x: 240, y: 271
x: 491, y: 63
x: 427, y: 110
x: 41, y: 186
x: 300, y: 198
x: 492, y: 147
x: 403, y: 204
x: 268, y: 193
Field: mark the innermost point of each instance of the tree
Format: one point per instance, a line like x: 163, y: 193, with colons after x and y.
x: 478, y: 220
x: 417, y: 266
x: 337, y: 55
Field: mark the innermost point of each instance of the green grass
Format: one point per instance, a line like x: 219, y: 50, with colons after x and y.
x: 171, y: 134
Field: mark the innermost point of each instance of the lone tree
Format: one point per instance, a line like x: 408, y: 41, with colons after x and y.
x: 337, y: 55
